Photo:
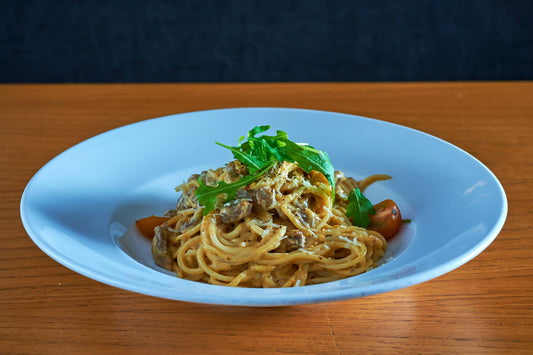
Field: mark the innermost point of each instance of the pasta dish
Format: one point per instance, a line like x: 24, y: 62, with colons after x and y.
x: 280, y: 224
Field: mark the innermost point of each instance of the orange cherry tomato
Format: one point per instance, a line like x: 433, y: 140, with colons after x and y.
x: 147, y: 225
x: 387, y: 220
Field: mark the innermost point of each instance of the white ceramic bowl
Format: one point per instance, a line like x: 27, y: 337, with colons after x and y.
x: 81, y: 206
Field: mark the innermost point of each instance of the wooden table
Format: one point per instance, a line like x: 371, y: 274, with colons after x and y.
x: 484, y: 306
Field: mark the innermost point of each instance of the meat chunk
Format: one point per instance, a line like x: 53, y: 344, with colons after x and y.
x: 295, y: 240
x: 235, y: 211
x: 209, y: 177
x: 235, y: 170
x: 160, y: 249
x: 343, y: 184
x: 263, y: 197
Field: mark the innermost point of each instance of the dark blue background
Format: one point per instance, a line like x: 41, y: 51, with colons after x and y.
x: 261, y: 41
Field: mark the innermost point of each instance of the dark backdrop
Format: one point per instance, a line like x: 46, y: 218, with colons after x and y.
x: 250, y: 41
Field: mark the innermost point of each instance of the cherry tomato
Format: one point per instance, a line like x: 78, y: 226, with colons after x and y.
x: 387, y: 220
x: 147, y: 225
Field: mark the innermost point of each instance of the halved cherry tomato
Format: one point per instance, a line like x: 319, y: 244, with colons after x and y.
x: 387, y: 220
x: 147, y: 225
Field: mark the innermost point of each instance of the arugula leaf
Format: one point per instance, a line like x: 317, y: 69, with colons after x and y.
x: 258, y: 152
x: 257, y: 130
x: 207, y: 195
x: 359, y: 207
x: 253, y: 163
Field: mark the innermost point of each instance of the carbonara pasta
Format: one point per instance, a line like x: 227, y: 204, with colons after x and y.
x: 287, y: 228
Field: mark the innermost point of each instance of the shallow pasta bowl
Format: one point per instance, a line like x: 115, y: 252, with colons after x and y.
x: 80, y: 208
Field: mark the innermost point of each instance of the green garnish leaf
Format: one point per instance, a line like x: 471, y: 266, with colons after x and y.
x: 253, y: 163
x: 359, y: 208
x: 207, y: 195
x: 258, y: 152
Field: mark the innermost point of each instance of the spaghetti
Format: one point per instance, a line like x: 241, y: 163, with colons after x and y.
x: 287, y: 228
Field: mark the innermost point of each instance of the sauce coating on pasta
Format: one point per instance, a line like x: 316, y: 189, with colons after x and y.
x: 287, y: 228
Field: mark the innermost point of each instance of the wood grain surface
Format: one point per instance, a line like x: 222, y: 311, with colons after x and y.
x: 485, y: 306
